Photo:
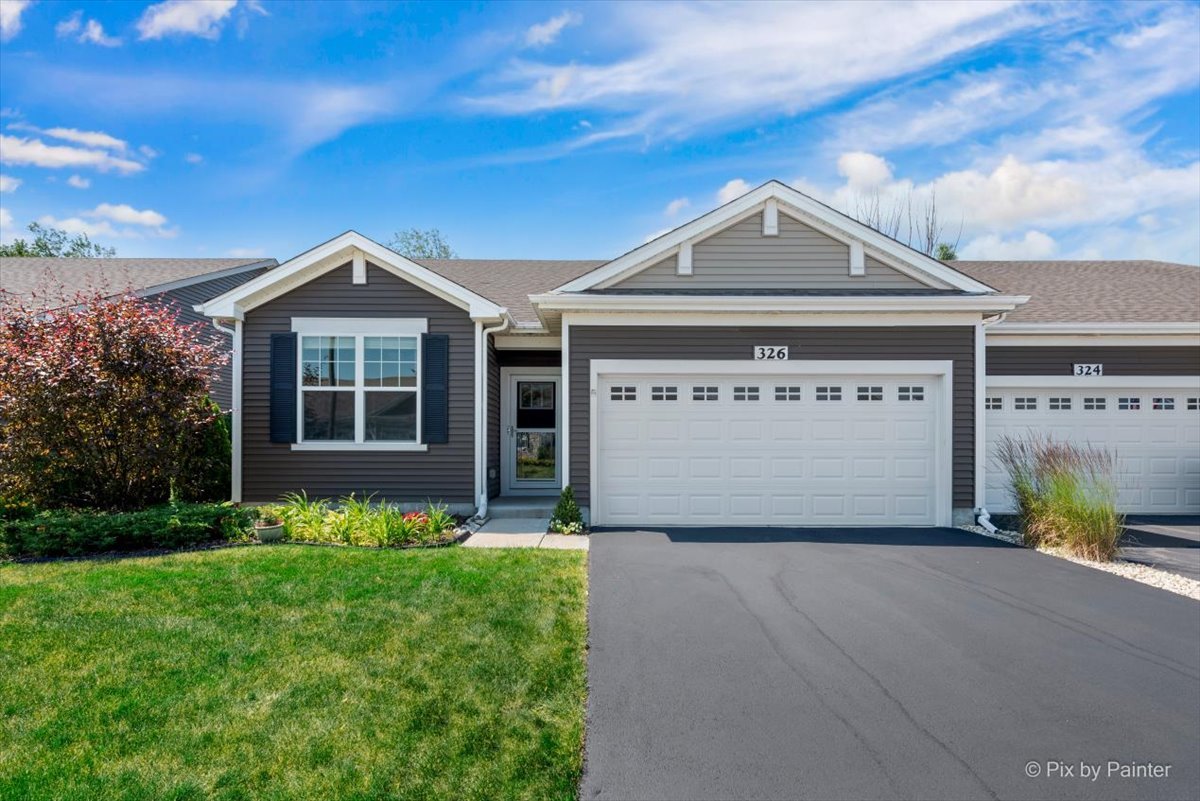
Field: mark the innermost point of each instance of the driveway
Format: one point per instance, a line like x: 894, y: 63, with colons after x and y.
x: 1168, y: 543
x: 932, y: 663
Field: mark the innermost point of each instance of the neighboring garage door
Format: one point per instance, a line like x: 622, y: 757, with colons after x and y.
x: 771, y: 450
x: 1154, y: 432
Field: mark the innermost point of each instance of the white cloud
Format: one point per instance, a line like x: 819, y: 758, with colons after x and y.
x: 77, y: 225
x: 10, y: 18
x: 863, y: 170
x: 1033, y: 245
x: 99, y: 222
x: 201, y: 18
x: 88, y: 138
x: 677, y: 205
x: 93, y: 32
x: 545, y: 33
x: 246, y: 253
x: 79, y: 182
x: 90, y: 32
x: 193, y: 158
x: 124, y: 213
x: 8, y: 228
x: 148, y: 152
x: 732, y: 190
x: 8, y: 183
x: 725, y: 64
x: 18, y: 150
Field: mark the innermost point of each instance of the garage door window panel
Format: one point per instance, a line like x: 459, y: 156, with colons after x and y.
x: 1129, y: 404
x: 1095, y: 404
x: 829, y: 393
x: 705, y: 393
x: 870, y: 393
x: 788, y: 393
x: 1060, y: 404
x: 1163, y: 404
x: 745, y: 393
x: 664, y: 393
x: 1025, y: 404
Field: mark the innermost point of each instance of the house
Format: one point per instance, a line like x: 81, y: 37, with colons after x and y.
x: 772, y: 362
x: 181, y: 283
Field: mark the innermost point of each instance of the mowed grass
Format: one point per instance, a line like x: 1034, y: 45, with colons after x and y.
x: 294, y: 672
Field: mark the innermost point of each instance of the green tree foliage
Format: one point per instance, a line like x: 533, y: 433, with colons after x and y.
x: 945, y: 252
x: 56, y: 243
x: 418, y: 244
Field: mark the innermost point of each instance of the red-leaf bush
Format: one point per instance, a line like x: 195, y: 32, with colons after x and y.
x: 101, y: 401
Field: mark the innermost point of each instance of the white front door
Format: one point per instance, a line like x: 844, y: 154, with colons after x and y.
x: 531, y: 448
x: 770, y: 449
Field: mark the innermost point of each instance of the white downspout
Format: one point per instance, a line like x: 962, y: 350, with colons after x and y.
x: 982, y: 516
x: 235, y: 469
x: 482, y: 389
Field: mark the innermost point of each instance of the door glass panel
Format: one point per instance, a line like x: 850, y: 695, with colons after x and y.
x: 535, y: 455
x: 536, y: 404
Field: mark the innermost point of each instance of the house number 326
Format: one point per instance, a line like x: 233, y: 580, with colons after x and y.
x: 777, y: 353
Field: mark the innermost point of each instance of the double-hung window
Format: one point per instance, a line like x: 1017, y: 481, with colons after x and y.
x: 359, y: 382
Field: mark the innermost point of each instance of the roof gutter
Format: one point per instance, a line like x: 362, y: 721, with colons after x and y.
x: 992, y: 304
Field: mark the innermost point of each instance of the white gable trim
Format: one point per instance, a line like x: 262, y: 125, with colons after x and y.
x: 806, y: 210
x: 332, y: 254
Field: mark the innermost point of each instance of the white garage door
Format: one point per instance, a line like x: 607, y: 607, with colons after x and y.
x: 768, y: 450
x: 1155, y: 434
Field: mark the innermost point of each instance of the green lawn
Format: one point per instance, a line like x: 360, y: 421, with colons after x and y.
x: 294, y: 672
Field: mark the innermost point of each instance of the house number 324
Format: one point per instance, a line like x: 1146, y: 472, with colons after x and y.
x: 777, y: 353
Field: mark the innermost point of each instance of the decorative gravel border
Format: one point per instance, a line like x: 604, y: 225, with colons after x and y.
x: 1163, y: 580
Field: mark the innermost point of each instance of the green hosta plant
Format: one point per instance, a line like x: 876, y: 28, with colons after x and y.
x: 567, y: 517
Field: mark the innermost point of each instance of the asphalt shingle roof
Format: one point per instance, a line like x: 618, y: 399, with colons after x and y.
x: 53, y: 280
x: 1094, y: 291
x: 510, y: 282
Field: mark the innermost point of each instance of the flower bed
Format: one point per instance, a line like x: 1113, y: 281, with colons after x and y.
x: 355, y: 521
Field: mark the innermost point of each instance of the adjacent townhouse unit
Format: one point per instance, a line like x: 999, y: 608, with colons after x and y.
x: 178, y: 283
x: 772, y: 362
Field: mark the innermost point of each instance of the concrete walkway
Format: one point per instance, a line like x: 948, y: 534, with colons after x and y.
x: 522, y: 532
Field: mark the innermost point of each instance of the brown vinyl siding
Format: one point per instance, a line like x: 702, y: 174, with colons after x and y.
x: 740, y: 257
x: 184, y: 298
x: 682, y: 343
x: 444, y: 473
x: 1059, y: 360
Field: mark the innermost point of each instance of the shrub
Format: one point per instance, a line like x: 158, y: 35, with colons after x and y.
x: 360, y: 521
x: 79, y: 533
x: 1066, y: 495
x: 99, y: 400
x: 567, y: 517
x: 207, y: 460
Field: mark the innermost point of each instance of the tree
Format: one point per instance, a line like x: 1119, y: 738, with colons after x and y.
x: 417, y: 244
x: 902, y: 219
x: 56, y: 243
x: 101, y: 401
x: 945, y: 252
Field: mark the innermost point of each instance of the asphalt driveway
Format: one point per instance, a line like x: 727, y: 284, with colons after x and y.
x: 905, y: 663
x: 1168, y: 543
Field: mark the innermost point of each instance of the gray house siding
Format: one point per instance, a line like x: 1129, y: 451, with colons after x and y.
x: 444, y: 473
x: 740, y: 257
x: 1137, y: 360
x: 184, y: 298
x: 665, y: 342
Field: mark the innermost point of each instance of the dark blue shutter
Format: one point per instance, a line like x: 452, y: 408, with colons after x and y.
x: 283, y: 387
x: 435, y: 394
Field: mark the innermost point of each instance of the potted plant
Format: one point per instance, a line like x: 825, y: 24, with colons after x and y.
x: 268, y: 527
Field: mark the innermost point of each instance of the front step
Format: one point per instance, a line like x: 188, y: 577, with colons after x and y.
x: 509, y: 508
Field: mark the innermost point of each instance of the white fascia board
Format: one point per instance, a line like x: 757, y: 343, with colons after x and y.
x: 780, y: 320
x: 1007, y: 328
x: 747, y: 367
x: 1068, y: 382
x: 698, y: 228
x: 773, y: 304
x: 329, y: 255
x: 527, y: 342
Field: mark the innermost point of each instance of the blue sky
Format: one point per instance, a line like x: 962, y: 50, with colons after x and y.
x: 549, y: 130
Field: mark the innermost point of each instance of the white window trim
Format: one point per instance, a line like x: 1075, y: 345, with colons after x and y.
x: 358, y: 328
